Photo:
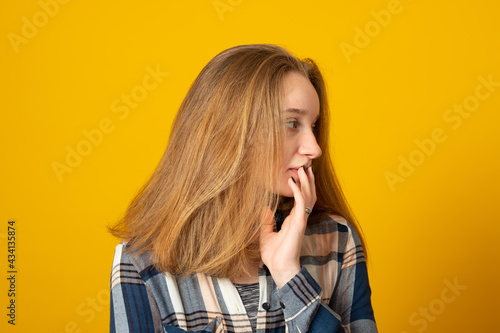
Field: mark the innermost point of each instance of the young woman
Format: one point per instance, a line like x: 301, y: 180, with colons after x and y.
x: 243, y: 226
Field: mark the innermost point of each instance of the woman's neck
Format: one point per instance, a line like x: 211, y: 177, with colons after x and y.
x: 253, y: 276
x: 246, y: 279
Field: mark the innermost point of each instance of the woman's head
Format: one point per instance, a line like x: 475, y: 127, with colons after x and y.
x: 235, y: 120
x: 253, y: 115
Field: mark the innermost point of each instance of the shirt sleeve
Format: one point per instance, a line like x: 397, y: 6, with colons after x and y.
x: 350, y: 308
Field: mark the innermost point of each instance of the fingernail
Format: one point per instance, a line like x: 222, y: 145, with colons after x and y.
x: 294, y: 181
x: 304, y: 167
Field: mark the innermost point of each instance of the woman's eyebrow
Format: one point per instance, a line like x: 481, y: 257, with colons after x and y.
x: 298, y: 111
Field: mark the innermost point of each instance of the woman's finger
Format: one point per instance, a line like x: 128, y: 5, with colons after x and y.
x: 305, y: 187
x: 297, y: 218
x: 312, y: 183
x: 308, y: 186
x: 297, y: 193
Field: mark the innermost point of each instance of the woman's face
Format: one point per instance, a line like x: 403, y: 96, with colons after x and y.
x: 301, y: 105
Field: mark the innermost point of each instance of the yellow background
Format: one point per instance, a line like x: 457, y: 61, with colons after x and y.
x: 439, y: 224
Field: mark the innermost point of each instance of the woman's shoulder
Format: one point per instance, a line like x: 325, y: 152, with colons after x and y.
x: 139, y: 261
x: 336, y: 227
x: 327, y: 223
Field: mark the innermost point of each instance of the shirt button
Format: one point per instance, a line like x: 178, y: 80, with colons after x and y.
x: 282, y: 305
x: 266, y: 306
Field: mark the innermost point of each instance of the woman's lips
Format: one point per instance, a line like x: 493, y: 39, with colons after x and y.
x: 295, y: 171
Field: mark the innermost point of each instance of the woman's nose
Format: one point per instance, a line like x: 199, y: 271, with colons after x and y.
x: 309, y: 146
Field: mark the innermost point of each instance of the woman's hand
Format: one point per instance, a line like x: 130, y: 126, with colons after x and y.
x: 280, y: 251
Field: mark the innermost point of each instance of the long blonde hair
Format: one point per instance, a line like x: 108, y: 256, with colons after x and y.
x: 200, y: 210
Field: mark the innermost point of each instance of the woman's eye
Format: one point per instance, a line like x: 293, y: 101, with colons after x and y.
x: 291, y: 124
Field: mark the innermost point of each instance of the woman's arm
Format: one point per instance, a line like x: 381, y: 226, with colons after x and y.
x: 298, y: 293
x: 300, y: 300
x: 352, y: 297
x: 349, y: 309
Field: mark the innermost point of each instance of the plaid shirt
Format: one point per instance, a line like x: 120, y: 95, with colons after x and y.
x: 331, y: 292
